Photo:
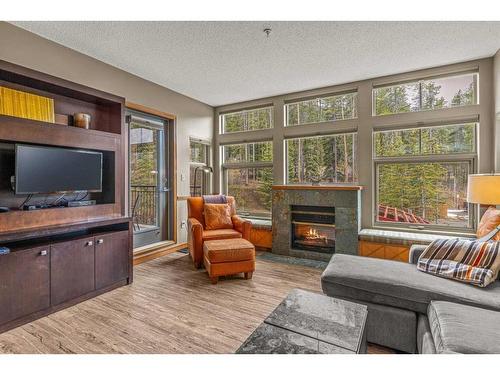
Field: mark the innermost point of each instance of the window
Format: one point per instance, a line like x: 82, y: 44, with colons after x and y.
x: 421, y: 175
x: 437, y: 140
x: 199, y: 181
x: 248, y: 152
x: 424, y: 95
x: 325, y: 159
x: 248, y: 176
x: 247, y: 120
x: 332, y: 108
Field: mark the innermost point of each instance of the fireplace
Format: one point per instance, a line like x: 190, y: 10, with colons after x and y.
x: 313, y: 228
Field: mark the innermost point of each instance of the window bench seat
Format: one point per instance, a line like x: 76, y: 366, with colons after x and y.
x: 262, y: 234
x: 393, y: 245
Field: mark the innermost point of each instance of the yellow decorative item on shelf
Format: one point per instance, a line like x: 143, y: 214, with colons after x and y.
x: 25, y: 105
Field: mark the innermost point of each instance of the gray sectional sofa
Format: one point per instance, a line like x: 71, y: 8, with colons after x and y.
x: 412, y: 311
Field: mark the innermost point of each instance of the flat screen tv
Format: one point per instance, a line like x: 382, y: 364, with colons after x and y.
x: 43, y: 170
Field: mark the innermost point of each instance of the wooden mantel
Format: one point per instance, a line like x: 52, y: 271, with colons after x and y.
x: 317, y: 187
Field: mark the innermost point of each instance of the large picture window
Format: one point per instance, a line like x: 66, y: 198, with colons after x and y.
x: 331, y: 108
x: 324, y: 159
x: 247, y: 120
x: 248, y: 176
x: 421, y: 175
x: 428, y: 94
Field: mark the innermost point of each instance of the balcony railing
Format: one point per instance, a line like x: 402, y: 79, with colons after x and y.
x: 143, y: 204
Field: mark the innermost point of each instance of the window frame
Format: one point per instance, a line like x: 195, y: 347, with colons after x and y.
x: 476, y: 80
x: 245, y: 110
x: 471, y: 158
x: 225, y: 167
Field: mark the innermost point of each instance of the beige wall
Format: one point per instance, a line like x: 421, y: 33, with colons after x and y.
x: 194, y: 118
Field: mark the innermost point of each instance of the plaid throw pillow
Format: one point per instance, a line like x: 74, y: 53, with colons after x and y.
x: 471, y: 262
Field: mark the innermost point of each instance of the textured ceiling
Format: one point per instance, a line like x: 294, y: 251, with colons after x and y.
x: 227, y: 62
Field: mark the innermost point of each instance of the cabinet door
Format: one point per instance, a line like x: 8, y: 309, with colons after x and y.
x: 24, y: 283
x: 111, y: 258
x: 71, y: 269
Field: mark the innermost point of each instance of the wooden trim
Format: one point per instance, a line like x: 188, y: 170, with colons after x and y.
x: 155, y: 246
x: 172, y: 123
x: 151, y: 111
x: 173, y: 161
x: 156, y: 253
x: 319, y: 187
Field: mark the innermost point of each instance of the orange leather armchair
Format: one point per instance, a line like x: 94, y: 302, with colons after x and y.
x: 197, y: 233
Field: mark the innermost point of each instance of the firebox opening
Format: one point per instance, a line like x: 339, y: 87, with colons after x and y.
x: 313, y: 228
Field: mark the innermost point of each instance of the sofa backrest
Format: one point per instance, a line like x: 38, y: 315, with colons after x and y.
x: 196, y: 204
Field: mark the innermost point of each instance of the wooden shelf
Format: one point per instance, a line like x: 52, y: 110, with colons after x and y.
x: 18, y: 220
x: 39, y: 132
x: 108, y: 135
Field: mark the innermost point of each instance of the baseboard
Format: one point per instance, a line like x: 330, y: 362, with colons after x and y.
x: 154, y: 253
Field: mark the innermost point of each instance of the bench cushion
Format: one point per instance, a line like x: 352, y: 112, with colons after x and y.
x: 399, y: 284
x: 464, y: 329
x: 220, y: 234
x: 232, y: 250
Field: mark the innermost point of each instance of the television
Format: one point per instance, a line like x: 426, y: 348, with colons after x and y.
x: 44, y: 170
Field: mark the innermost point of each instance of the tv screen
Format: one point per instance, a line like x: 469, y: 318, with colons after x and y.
x: 41, y: 169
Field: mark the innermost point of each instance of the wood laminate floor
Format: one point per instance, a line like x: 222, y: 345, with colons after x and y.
x: 170, y: 308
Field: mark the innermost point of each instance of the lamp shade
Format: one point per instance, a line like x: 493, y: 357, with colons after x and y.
x: 484, y: 189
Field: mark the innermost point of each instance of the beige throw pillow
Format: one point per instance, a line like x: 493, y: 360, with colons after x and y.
x: 472, y: 262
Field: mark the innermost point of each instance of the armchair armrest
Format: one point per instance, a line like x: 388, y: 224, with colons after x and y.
x: 415, y: 252
x: 195, y: 241
x: 243, y: 226
x: 194, y: 224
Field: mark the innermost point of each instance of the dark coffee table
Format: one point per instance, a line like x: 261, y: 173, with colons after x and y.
x: 306, y: 322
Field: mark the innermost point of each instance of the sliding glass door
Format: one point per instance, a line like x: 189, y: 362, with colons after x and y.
x: 149, y: 178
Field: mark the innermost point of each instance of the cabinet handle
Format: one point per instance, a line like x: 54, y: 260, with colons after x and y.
x: 43, y: 253
x: 100, y: 241
x: 89, y: 243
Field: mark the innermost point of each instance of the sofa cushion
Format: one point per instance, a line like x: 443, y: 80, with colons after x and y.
x: 399, y: 284
x: 425, y: 342
x: 472, y: 262
x: 220, y: 234
x: 464, y: 329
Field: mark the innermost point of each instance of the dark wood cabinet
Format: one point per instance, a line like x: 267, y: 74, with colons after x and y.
x: 54, y: 261
x: 24, y: 283
x: 71, y: 269
x: 111, y: 259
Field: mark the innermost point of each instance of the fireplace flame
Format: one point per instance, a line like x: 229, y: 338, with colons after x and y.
x: 313, y: 234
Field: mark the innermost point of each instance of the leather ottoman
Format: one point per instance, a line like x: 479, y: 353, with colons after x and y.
x: 228, y: 257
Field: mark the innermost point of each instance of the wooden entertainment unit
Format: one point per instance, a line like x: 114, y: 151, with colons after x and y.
x: 62, y: 256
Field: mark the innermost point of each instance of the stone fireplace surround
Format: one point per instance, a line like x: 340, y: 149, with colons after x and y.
x: 347, y: 202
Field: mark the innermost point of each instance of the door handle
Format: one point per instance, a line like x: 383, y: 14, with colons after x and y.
x: 100, y: 241
x: 43, y: 253
x: 89, y: 243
